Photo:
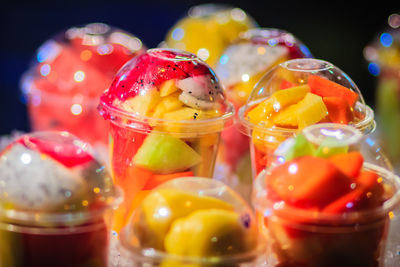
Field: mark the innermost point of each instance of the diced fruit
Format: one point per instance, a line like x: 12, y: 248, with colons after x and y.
x: 168, y: 87
x: 367, y: 194
x: 308, y: 182
x: 165, y: 154
x: 184, y: 113
x: 339, y: 111
x: 310, y: 110
x: 348, y: 163
x: 142, y: 104
x: 262, y: 111
x: 330, y: 146
x: 158, y: 179
x: 286, y: 84
x: 287, y: 117
x: 167, y: 104
x: 300, y: 147
x: 326, y: 88
x: 174, y: 204
x: 212, y: 232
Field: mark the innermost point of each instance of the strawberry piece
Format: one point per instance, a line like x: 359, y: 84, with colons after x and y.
x: 158, y: 179
x: 286, y: 84
x: 338, y: 110
x: 348, y: 163
x: 66, y: 153
x: 308, y: 182
x: 326, y: 88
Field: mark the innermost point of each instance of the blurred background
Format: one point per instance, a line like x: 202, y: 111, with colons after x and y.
x: 333, y: 31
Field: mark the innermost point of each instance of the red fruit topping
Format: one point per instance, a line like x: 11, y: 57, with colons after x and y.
x: 286, y: 84
x: 348, y: 163
x: 66, y: 153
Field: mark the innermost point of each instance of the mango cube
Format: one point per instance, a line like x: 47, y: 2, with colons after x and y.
x: 168, y: 87
x: 167, y: 104
x: 142, y: 104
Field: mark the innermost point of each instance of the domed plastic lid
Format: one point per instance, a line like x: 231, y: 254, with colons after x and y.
x: 207, y: 29
x: 302, y: 92
x: 329, y: 173
x: 192, y: 220
x: 80, y: 61
x: 249, y: 57
x: 384, y: 50
x: 53, y: 178
x: 166, y: 86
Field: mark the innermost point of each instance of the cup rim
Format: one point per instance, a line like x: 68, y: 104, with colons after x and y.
x: 366, y: 125
x: 58, y: 219
x: 312, y: 218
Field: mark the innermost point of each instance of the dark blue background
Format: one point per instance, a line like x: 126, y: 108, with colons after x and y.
x: 334, y: 31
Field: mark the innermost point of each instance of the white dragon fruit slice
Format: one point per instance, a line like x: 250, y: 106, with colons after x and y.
x: 200, y: 92
x: 30, y: 182
x: 247, y: 58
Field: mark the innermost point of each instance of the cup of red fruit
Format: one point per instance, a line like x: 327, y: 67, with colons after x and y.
x: 68, y: 74
x: 294, y: 95
x: 166, y: 111
x: 192, y: 221
x: 56, y: 202
x: 242, y: 64
x: 327, y: 200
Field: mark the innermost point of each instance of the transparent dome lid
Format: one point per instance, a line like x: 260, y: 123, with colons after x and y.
x: 80, y: 61
x: 207, y: 29
x: 301, y: 92
x: 199, y: 219
x: 384, y: 49
x: 53, y: 177
x: 328, y: 173
x: 249, y: 57
x: 166, y: 86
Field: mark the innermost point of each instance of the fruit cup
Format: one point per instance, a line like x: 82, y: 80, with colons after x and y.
x: 327, y: 200
x: 166, y: 111
x: 56, y: 203
x: 296, y: 94
x: 241, y: 66
x: 192, y: 221
x: 69, y: 73
x: 383, y: 56
x: 207, y: 29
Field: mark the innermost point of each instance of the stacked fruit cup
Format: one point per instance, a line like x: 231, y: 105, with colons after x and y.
x: 327, y: 199
x: 241, y: 66
x: 296, y: 94
x: 207, y: 29
x: 56, y: 203
x: 193, y: 221
x: 166, y: 111
x: 69, y: 73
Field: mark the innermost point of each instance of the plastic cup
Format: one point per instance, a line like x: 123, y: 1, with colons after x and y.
x: 242, y: 64
x: 207, y: 29
x: 194, y: 221
x: 166, y: 111
x: 340, y: 227
x: 383, y: 56
x: 296, y: 94
x: 56, y: 203
x: 68, y: 74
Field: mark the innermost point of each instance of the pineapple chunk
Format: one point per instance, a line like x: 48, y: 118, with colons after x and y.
x: 311, y: 110
x: 167, y: 104
x: 167, y: 88
x: 142, y: 104
x: 287, y: 117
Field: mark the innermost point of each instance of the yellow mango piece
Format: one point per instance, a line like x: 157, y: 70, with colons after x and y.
x: 167, y: 104
x: 310, y: 110
x: 163, y: 206
x: 278, y: 101
x: 287, y: 117
x: 212, y: 232
x: 167, y: 88
x: 142, y: 104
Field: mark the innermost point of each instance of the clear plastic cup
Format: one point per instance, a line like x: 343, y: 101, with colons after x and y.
x: 207, y: 29
x: 56, y: 202
x: 383, y: 56
x: 166, y: 111
x: 68, y: 74
x: 192, y: 221
x: 296, y: 94
x: 242, y: 64
x: 327, y: 200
